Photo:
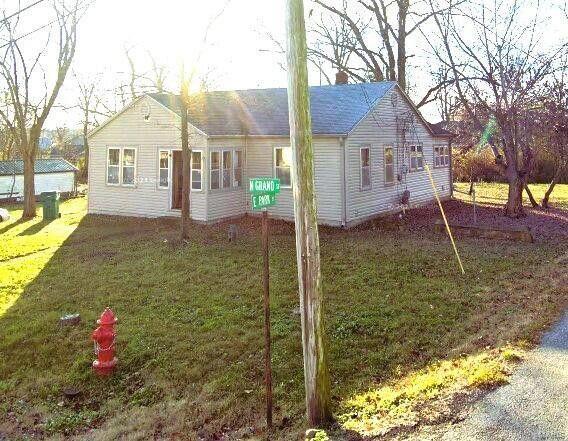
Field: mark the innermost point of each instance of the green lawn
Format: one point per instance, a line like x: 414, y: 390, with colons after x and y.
x: 190, y: 342
x: 496, y: 193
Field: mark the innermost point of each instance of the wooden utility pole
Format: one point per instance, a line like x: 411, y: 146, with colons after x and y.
x: 186, y: 157
x: 266, y: 290
x: 316, y: 374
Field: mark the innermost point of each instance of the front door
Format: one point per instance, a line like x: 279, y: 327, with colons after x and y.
x: 177, y: 179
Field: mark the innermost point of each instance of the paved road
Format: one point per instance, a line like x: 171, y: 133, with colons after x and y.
x: 534, y: 406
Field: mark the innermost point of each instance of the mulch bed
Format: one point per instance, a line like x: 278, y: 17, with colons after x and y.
x: 549, y: 225
x: 545, y: 225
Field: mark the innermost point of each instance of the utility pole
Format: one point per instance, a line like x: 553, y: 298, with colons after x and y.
x: 186, y: 157
x: 316, y: 374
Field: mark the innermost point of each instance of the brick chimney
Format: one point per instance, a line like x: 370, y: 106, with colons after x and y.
x: 341, y: 77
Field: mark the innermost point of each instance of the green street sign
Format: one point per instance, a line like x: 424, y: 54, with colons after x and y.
x: 259, y: 186
x: 260, y: 201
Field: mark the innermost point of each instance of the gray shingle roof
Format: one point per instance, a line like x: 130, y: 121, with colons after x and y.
x: 335, y: 109
x: 51, y: 165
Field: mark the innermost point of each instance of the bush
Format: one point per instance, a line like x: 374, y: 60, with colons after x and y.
x: 471, y: 165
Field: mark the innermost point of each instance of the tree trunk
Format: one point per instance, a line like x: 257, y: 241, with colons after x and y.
x: 86, y: 147
x: 514, y: 205
x: 534, y: 203
x: 549, y: 190
x: 316, y: 374
x: 29, y: 186
x: 186, y: 166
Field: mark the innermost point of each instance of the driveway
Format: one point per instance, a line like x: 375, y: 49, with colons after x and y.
x: 533, y: 406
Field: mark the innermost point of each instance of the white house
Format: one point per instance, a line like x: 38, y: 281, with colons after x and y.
x: 370, y: 145
x: 53, y: 174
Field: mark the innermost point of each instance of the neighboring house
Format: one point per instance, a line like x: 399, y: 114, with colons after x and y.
x: 54, y: 174
x: 370, y: 144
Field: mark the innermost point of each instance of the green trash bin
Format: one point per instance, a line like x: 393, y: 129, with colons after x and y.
x: 50, y: 202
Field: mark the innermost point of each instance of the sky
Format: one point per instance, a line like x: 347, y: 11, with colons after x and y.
x: 238, y: 54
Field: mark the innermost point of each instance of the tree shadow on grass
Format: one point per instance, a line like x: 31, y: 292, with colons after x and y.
x: 11, y: 225
x: 36, y: 228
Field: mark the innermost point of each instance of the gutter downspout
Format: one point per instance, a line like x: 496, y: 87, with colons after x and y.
x: 343, y: 161
x: 451, y: 168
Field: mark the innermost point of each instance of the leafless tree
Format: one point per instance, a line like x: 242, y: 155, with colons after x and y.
x: 22, y: 74
x: 375, y: 46
x: 90, y: 101
x: 497, y: 66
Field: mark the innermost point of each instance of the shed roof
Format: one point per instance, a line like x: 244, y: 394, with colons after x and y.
x: 50, y: 165
x: 335, y: 109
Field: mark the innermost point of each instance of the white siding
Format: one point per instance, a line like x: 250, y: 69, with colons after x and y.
x: 130, y: 129
x: 62, y: 182
x: 328, y: 179
x: 377, y: 130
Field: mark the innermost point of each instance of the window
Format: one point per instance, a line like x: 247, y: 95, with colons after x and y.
x: 121, y: 166
x: 441, y: 156
x: 113, y: 167
x: 128, y: 166
x: 416, y: 158
x: 164, y: 169
x: 365, y: 163
x: 282, y: 165
x: 196, y: 170
x: 237, y: 168
x: 227, y: 168
x: 389, y: 165
x: 215, y: 176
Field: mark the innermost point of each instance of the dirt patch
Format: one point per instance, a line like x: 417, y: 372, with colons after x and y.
x: 545, y: 225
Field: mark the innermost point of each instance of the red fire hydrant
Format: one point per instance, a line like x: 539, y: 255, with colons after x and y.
x: 104, y: 337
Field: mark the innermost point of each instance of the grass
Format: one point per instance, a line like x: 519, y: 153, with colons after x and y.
x: 401, y: 320
x: 496, y: 193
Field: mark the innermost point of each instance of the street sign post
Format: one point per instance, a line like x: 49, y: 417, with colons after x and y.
x: 263, y: 193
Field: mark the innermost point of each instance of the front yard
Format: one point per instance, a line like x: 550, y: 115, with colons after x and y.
x: 404, y: 325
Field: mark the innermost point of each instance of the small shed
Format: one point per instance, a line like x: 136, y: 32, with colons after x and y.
x: 53, y: 174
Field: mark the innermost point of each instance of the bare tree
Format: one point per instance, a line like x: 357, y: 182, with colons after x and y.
x: 21, y: 74
x: 92, y: 105
x: 553, y: 126
x: 497, y: 66
x: 391, y: 23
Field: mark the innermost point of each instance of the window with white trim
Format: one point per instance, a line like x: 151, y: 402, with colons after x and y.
x: 389, y: 165
x: 441, y: 156
x: 416, y: 158
x: 163, y: 169
x: 283, y: 165
x: 121, y: 166
x: 113, y: 166
x: 196, y: 170
x: 237, y: 168
x: 365, y: 167
x: 215, y: 173
x: 128, y: 166
x: 227, y: 168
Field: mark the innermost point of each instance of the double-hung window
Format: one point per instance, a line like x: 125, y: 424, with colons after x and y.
x: 416, y: 158
x: 283, y: 165
x: 237, y: 168
x: 365, y: 167
x: 113, y: 166
x: 389, y: 165
x: 226, y: 169
x: 164, y: 169
x: 215, y: 173
x: 441, y: 156
x: 121, y: 166
x: 196, y: 170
